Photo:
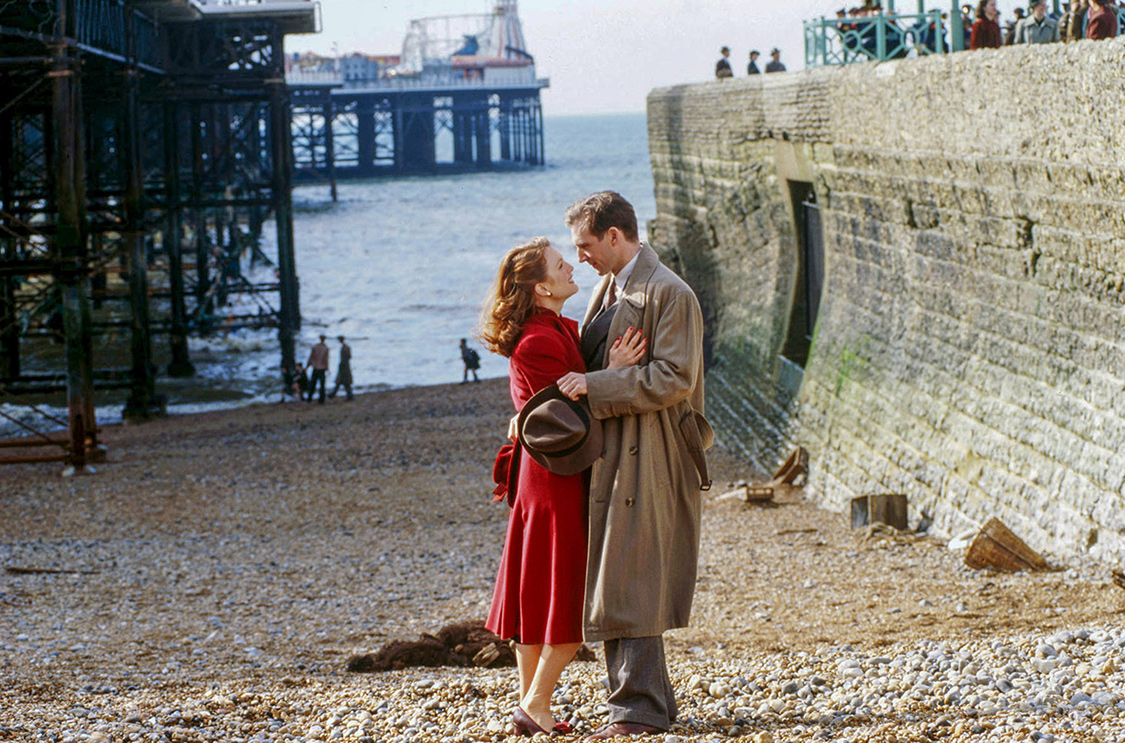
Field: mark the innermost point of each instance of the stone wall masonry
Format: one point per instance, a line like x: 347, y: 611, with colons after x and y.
x: 970, y: 345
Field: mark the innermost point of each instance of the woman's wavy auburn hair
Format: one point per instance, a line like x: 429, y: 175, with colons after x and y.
x: 511, y: 300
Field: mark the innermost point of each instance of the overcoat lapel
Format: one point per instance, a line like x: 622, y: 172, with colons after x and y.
x: 631, y: 302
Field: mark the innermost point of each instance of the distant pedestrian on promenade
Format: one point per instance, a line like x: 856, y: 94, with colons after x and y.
x: 1037, y: 28
x: 775, y: 64
x: 1011, y: 26
x: 344, y: 370
x: 986, y: 28
x: 540, y: 585
x: 722, y: 67
x: 471, y: 359
x: 1072, y: 22
x: 318, y: 362
x: 1101, y: 20
x: 752, y: 68
x: 967, y: 23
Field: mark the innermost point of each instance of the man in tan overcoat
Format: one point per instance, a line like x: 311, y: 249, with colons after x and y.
x: 644, y: 491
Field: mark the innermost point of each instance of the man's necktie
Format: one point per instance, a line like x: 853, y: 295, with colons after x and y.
x: 611, y: 295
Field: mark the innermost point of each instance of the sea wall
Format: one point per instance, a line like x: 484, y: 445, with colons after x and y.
x: 969, y: 348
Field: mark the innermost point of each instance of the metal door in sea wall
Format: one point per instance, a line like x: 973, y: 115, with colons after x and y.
x: 809, y: 258
x: 812, y: 244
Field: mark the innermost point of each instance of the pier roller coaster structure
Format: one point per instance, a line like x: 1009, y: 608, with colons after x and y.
x: 143, y: 143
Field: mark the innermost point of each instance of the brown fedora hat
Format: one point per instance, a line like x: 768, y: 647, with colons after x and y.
x: 559, y: 433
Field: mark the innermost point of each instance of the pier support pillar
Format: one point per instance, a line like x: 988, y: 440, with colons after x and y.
x: 418, y: 146
x: 330, y: 143
x: 505, y: 128
x: 143, y: 402
x: 180, y: 365
x: 289, y: 320
x: 365, y: 131
x: 540, y: 145
x: 68, y: 164
x: 462, y: 116
x: 483, y: 136
x: 203, y: 301
x: 9, y: 327
x: 9, y: 314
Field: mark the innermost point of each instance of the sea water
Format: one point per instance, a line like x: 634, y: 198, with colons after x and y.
x: 401, y: 266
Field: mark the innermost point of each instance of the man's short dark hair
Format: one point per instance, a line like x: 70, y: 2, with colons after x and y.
x: 725, y: 50
x: 598, y: 212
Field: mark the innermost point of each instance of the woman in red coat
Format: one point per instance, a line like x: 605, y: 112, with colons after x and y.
x: 986, y: 29
x: 540, y: 587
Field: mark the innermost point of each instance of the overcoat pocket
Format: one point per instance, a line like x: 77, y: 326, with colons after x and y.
x: 698, y: 437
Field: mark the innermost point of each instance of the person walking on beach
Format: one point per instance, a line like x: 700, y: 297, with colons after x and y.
x: 344, y: 370
x: 644, y: 490
x: 318, y: 362
x: 471, y: 359
x: 539, y: 586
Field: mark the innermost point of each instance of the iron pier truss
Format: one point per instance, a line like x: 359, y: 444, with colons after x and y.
x: 143, y: 144
x: 342, y: 133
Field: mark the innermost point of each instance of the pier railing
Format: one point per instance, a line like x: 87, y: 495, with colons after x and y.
x: 492, y: 79
x: 838, y: 41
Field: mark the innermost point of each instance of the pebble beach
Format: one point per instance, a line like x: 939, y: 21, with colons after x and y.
x: 210, y: 580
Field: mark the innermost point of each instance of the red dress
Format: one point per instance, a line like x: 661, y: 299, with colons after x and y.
x: 541, y: 584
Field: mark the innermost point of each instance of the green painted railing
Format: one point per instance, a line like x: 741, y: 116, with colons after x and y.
x: 838, y: 41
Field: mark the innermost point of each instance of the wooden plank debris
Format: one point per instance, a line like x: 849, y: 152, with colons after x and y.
x: 759, y: 493
x: 748, y: 493
x: 794, y: 466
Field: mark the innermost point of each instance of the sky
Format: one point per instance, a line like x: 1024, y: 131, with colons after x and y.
x: 603, y: 57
